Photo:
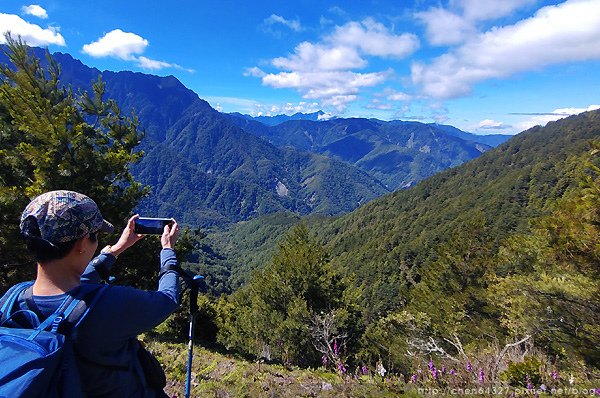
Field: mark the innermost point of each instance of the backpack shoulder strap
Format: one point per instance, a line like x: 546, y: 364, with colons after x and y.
x: 9, y: 299
x: 86, y: 297
x: 66, y: 317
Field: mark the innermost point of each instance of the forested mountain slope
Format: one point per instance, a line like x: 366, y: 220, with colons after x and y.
x: 386, y: 241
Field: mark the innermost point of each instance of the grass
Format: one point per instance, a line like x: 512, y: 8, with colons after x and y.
x: 224, y: 376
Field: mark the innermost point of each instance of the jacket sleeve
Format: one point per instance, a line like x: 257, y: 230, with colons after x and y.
x: 98, y: 269
x: 127, y: 311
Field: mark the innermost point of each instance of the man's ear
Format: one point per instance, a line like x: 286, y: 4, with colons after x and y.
x: 79, y: 245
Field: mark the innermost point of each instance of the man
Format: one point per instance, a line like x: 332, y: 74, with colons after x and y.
x: 61, y: 230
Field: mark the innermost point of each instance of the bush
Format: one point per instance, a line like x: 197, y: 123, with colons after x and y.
x: 524, y: 374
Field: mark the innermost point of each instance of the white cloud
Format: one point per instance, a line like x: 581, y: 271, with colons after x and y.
x: 277, y: 19
x: 394, y: 95
x: 568, y: 32
x: 543, y: 119
x: 449, y: 26
x: 255, y: 108
x: 477, y: 10
x: 489, y: 124
x: 325, y: 71
x: 129, y: 47
x: 245, y: 105
x: 32, y: 34
x: 379, y: 105
x: 148, y: 63
x: 444, y: 27
x: 333, y: 88
x: 118, y: 44
x: 255, y: 71
x: 373, y: 38
x: 301, y: 107
x: 317, y: 57
x: 325, y: 116
x: 35, y: 10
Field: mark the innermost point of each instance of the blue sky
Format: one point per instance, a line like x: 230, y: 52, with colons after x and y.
x: 481, y: 65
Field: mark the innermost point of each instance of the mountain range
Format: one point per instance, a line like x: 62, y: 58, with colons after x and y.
x: 278, y: 119
x: 209, y: 168
x: 397, y: 153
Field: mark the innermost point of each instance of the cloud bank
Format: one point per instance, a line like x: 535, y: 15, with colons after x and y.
x: 128, y: 47
x: 325, y: 71
x: 32, y: 34
x: 35, y: 10
x: 543, y: 118
x: 567, y: 32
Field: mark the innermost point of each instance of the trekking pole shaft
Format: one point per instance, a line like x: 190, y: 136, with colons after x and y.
x: 188, y: 379
x: 193, y: 311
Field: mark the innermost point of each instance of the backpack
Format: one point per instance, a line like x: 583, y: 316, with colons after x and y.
x: 38, y: 359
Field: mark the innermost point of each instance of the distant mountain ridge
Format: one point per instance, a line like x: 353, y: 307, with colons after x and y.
x: 278, y: 119
x: 492, y: 140
x: 397, y: 153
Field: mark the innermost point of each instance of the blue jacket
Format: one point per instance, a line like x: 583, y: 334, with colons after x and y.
x: 106, y: 338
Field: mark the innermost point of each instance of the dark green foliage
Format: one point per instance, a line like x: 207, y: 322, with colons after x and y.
x: 256, y: 235
x: 524, y: 374
x: 548, y: 285
x: 508, y: 185
x: 451, y: 288
x: 272, y: 316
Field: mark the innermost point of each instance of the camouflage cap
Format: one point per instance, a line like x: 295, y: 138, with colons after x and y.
x: 62, y: 216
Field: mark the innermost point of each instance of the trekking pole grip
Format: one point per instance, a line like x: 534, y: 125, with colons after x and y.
x: 197, y: 280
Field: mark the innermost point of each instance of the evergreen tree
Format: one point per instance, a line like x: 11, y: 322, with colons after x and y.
x: 52, y: 139
x: 276, y: 315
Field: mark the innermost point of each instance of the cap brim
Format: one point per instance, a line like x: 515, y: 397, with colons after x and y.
x: 106, y: 226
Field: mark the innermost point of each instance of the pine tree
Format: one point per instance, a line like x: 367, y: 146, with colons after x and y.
x: 275, y: 314
x: 52, y: 139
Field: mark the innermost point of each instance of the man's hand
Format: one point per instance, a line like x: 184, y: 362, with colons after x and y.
x: 128, y: 237
x: 169, y: 236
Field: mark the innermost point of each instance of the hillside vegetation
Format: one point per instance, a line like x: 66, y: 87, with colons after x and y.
x: 491, y: 263
x: 388, y: 240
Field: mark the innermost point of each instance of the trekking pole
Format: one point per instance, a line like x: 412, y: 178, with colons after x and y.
x: 194, y: 287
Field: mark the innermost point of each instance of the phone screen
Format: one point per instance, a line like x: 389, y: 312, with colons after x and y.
x: 151, y: 226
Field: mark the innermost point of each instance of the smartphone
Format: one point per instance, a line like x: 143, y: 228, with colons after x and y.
x: 151, y: 226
